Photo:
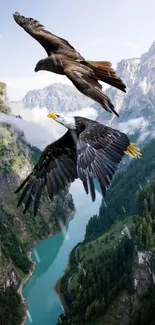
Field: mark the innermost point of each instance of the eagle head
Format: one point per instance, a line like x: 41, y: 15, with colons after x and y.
x: 40, y: 66
x: 65, y: 120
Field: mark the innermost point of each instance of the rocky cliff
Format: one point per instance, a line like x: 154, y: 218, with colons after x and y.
x: 136, y: 108
x: 57, y: 97
x: 123, y: 309
x: 108, y: 280
x: 17, y: 231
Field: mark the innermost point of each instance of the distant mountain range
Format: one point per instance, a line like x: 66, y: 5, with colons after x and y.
x: 136, y: 108
x: 56, y: 97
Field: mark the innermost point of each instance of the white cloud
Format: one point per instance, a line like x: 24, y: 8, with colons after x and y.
x: 38, y: 129
x: 143, y: 136
x: 133, y: 125
x: 17, y: 87
x: 88, y: 112
x: 36, y: 134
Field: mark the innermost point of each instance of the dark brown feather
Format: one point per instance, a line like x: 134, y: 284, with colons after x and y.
x: 49, y: 41
x: 65, y: 60
x: 103, y: 71
x: 86, y: 82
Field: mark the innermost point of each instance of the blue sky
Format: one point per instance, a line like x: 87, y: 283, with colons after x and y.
x: 99, y: 29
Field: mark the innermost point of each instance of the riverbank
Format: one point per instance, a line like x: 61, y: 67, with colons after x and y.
x: 32, y: 269
x: 57, y: 287
x: 33, y: 264
x: 53, y: 233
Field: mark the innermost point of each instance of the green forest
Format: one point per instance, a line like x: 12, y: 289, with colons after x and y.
x: 11, y: 311
x: 17, y: 231
x: 121, y: 196
x: 101, y: 267
x: 12, y: 247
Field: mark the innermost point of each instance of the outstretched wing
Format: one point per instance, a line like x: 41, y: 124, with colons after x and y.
x: 86, y: 82
x: 99, y: 150
x: 55, y: 168
x: 49, y: 41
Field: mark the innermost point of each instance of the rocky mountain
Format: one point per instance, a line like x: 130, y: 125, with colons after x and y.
x: 136, y: 108
x: 56, y: 97
x: 19, y: 232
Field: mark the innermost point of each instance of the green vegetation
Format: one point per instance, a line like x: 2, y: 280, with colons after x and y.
x: 3, y: 108
x: 12, y: 247
x: 17, y: 231
x: 2, y: 85
x: 101, y: 268
x: 121, y: 196
x: 11, y: 311
x: 2, y: 88
x: 35, y: 153
x: 59, y: 213
x: 146, y: 217
x: 144, y: 313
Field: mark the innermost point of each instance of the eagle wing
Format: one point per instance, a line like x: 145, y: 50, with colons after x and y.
x: 49, y: 41
x: 86, y: 82
x: 55, y: 169
x: 99, y: 150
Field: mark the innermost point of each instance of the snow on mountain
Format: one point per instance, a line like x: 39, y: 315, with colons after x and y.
x: 137, y: 107
x: 56, y: 97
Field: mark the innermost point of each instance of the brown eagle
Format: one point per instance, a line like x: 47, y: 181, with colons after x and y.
x: 88, y: 150
x: 65, y: 60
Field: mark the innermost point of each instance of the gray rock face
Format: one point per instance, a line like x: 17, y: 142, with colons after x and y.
x: 57, y: 97
x: 137, y: 107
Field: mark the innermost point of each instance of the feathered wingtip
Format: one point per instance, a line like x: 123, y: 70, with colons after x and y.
x: 133, y: 151
x: 26, y: 22
x: 18, y: 18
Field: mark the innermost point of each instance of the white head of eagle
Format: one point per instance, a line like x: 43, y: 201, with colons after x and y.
x: 65, y: 120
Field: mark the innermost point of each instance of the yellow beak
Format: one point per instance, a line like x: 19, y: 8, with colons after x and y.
x: 51, y: 115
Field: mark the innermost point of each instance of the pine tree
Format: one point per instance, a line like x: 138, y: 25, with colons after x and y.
x: 140, y: 235
x: 150, y: 236
x: 145, y: 209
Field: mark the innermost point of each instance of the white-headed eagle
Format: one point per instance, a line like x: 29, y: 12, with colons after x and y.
x: 65, y: 60
x: 88, y: 150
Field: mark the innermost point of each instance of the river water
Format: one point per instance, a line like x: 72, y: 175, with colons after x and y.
x: 51, y: 257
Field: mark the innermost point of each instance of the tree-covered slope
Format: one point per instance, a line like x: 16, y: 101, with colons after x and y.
x: 3, y: 107
x: 17, y: 231
x: 110, y: 276
x: 120, y: 200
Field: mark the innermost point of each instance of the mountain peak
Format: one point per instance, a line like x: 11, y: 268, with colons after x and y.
x: 152, y: 48
x: 150, y: 53
x: 58, y: 97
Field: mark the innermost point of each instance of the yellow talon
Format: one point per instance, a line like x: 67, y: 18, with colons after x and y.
x: 133, y: 151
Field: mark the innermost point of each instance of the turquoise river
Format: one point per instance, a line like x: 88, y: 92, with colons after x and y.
x: 51, y: 257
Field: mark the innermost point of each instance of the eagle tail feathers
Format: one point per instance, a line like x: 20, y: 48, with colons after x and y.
x: 104, y: 72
